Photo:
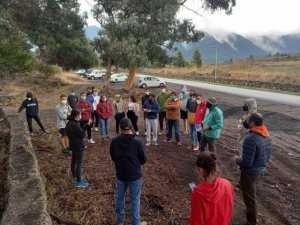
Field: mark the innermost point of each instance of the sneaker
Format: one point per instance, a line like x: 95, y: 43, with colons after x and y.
x: 91, y: 141
x: 191, y: 147
x: 31, y: 134
x: 155, y: 144
x: 145, y: 133
x: 160, y: 133
x: 143, y: 223
x: 178, y: 143
x: 148, y: 144
x: 167, y: 141
x: 74, y: 180
x: 46, y: 132
x: 137, y: 133
x: 196, y: 148
x: 82, y: 184
x: 67, y: 150
x: 96, y: 129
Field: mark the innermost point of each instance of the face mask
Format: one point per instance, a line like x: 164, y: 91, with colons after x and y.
x: 28, y: 99
x: 73, y: 93
x: 83, y: 97
x: 104, y: 99
x: 163, y: 90
x: 208, y: 105
x: 64, y: 102
x: 78, y: 118
x: 172, y: 98
x: 245, y: 108
x: 246, y: 124
x: 199, y: 102
x: 193, y: 99
x: 95, y: 94
x: 147, y: 92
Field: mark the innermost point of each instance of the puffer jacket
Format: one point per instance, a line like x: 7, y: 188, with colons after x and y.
x: 214, y: 120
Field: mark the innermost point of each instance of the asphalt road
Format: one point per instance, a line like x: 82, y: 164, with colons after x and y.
x: 262, y: 95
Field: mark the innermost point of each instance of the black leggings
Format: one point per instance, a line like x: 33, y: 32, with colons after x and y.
x: 96, y: 119
x: 85, y: 127
x: 162, y: 117
x: 131, y: 115
x: 77, y: 159
x: 118, y: 118
x: 37, y: 119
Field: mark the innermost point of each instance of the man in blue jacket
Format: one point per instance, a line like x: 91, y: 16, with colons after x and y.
x: 151, y: 108
x: 257, y: 148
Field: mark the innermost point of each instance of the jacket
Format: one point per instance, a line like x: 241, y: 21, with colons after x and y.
x: 75, y: 135
x: 200, y: 113
x: 191, y: 105
x: 161, y: 99
x: 214, y: 120
x: 96, y: 102
x: 104, y: 110
x: 145, y: 98
x: 173, y: 109
x: 118, y: 107
x: 154, y: 107
x: 31, y: 106
x: 184, y: 99
x: 72, y: 101
x: 90, y: 98
x: 252, y: 108
x: 212, y: 203
x: 257, y: 148
x: 86, y: 109
x: 128, y: 154
x: 62, y: 113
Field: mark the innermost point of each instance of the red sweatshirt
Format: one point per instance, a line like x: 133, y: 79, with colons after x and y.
x: 86, y: 109
x: 212, y: 203
x: 104, y: 110
x: 200, y: 113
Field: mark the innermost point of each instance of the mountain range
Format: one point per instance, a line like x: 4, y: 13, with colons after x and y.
x: 231, y: 46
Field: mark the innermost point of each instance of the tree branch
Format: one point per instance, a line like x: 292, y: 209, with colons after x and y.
x: 192, y: 10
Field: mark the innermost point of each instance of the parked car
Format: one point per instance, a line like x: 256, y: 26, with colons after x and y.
x: 95, y: 74
x: 118, y: 77
x: 80, y: 72
x: 148, y: 81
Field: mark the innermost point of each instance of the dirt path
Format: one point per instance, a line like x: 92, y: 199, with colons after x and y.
x: 166, y: 196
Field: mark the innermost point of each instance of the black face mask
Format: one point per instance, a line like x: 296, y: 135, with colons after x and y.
x: 208, y: 105
x: 246, y: 124
x: 245, y: 108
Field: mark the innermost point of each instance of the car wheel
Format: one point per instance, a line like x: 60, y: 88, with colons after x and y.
x: 93, y: 78
x: 144, y: 86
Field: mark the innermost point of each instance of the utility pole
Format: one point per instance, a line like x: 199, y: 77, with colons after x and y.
x: 216, y: 64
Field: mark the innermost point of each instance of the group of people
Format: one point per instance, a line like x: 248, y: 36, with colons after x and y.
x: 212, y: 200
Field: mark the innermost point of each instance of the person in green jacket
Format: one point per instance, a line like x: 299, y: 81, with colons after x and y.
x: 212, y: 125
x: 161, y: 99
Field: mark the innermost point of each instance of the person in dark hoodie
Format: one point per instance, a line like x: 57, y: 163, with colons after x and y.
x: 256, y: 152
x: 128, y: 154
x: 32, y: 112
x: 72, y: 100
x: 76, y: 135
x: 212, y: 200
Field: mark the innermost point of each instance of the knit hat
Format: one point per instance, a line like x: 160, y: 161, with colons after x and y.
x: 212, y: 100
x: 125, y: 124
x: 29, y: 95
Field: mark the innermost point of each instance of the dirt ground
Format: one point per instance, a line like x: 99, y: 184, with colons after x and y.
x: 165, y: 194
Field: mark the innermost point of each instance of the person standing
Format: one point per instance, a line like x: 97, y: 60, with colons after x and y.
x: 191, y: 108
x: 151, y: 108
x: 184, y: 96
x: 172, y: 107
x: 76, y: 135
x: 257, y: 148
x: 32, y: 112
x: 212, y: 125
x: 128, y: 154
x: 212, y: 200
x: 96, y: 98
x: 72, y: 100
x: 86, y: 109
x: 161, y: 99
x: 145, y: 98
x: 63, y: 110
x: 200, y: 115
x: 119, y: 111
x: 104, y: 111
x: 133, y: 113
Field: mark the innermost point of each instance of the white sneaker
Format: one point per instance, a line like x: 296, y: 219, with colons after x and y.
x: 137, y: 133
x: 96, y: 129
x: 91, y: 141
x: 148, y: 143
x: 155, y: 144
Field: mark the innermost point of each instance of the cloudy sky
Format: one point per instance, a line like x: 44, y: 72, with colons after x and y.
x: 249, y: 17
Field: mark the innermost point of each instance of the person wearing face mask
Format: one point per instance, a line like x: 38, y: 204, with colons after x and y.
x: 184, y: 97
x: 32, y: 112
x: 212, y: 125
x: 104, y: 111
x: 191, y: 108
x: 257, y: 149
x: 172, y: 106
x: 249, y: 107
x: 86, y: 121
x: 76, y: 135
x: 151, y: 108
x: 96, y: 98
x: 63, y: 110
x: 200, y: 114
x: 72, y: 99
x: 161, y: 99
x: 212, y: 200
x: 145, y: 98
x: 119, y: 111
x: 133, y: 113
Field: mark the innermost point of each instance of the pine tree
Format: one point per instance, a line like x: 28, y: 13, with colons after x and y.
x: 197, y: 61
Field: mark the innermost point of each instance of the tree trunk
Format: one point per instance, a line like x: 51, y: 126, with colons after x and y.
x: 108, y: 70
x: 131, y: 76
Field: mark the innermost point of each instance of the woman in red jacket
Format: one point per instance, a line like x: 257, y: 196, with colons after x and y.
x: 200, y: 115
x: 104, y: 112
x: 212, y: 200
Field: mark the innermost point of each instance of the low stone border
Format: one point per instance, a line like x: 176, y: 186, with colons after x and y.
x: 27, y: 199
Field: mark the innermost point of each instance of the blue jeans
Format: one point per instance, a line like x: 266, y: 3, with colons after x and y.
x: 104, y: 127
x: 194, y: 135
x: 135, y: 196
x: 174, y: 123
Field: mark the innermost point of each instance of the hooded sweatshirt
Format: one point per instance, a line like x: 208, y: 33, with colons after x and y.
x: 75, y: 135
x: 128, y: 154
x: 31, y: 106
x: 161, y: 99
x: 212, y: 203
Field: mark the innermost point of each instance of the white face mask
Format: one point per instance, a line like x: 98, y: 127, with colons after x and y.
x: 104, y: 99
x: 64, y: 102
x: 28, y: 99
x: 199, y: 102
x: 147, y: 92
x: 163, y: 90
x: 73, y: 93
x: 95, y: 94
x: 83, y: 97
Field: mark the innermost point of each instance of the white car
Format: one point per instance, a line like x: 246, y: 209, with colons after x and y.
x: 95, y: 74
x: 118, y: 77
x: 149, y: 81
x: 80, y: 72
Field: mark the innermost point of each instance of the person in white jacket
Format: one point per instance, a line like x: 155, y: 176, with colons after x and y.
x: 95, y: 103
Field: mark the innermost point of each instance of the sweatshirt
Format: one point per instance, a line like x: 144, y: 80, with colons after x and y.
x: 96, y: 101
x: 154, y: 109
x: 128, y: 154
x: 86, y: 109
x: 62, y: 113
x: 173, y: 109
x: 161, y: 99
x: 72, y: 101
x: 75, y: 135
x: 200, y: 113
x: 31, y: 106
x: 104, y: 110
x: 212, y: 203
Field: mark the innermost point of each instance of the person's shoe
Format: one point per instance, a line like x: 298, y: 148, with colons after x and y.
x: 160, y: 133
x: 46, y: 132
x: 145, y: 134
x: 32, y: 134
x: 82, y: 184
x: 96, y: 129
x: 74, y: 180
x: 67, y: 150
x: 137, y: 133
x: 196, y: 148
x: 91, y: 141
x: 148, y: 143
x: 191, y: 147
x: 167, y: 141
x: 144, y: 223
x: 178, y: 143
x: 155, y: 144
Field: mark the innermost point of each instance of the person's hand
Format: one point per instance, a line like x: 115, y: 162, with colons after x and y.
x: 234, y: 158
x: 206, y: 128
x: 146, y: 110
x: 90, y: 121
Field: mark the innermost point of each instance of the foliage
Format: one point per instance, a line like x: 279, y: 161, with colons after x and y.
x: 197, y: 61
x: 178, y: 60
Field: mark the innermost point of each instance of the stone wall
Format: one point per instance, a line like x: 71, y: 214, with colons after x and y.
x: 27, y: 199
x: 8, y: 99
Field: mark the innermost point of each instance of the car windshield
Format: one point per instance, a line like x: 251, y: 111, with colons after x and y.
x: 89, y: 70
